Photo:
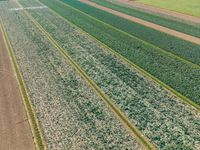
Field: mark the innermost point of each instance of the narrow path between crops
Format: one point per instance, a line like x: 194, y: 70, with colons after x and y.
x: 163, y: 11
x: 146, y: 23
x: 15, y: 132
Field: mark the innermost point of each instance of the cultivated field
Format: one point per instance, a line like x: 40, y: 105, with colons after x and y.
x: 96, y: 80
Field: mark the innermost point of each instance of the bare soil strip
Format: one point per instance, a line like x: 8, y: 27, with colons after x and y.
x: 146, y: 23
x: 163, y: 11
x: 15, y: 133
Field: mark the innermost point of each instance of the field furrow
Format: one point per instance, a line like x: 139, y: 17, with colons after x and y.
x: 160, y: 115
x: 71, y: 114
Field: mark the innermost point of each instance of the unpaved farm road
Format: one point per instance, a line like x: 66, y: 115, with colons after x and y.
x: 163, y: 11
x: 146, y: 23
x: 15, y: 132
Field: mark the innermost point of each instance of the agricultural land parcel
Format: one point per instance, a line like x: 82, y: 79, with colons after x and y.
x: 157, y: 18
x: 181, y: 76
x: 112, y: 75
x: 71, y: 114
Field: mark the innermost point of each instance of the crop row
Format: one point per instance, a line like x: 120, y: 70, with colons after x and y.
x: 72, y: 116
x: 186, y: 50
x: 177, y: 74
x: 152, y: 17
x: 157, y: 113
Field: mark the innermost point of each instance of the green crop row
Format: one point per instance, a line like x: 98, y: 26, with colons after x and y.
x: 152, y: 17
x: 184, y: 49
x: 177, y: 74
x: 71, y: 114
x: 156, y: 112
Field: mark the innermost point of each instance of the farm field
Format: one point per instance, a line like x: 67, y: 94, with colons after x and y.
x: 69, y: 114
x: 151, y: 25
x: 154, y: 17
x: 96, y: 86
x: 170, y: 70
x: 189, y: 7
x: 165, y: 42
x: 159, y: 11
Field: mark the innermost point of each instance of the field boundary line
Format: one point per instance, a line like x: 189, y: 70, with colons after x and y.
x: 136, y: 38
x: 145, y: 73
x: 32, y: 119
x: 143, y: 140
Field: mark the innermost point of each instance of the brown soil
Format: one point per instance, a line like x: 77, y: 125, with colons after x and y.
x: 163, y: 11
x: 15, y: 132
x: 146, y: 23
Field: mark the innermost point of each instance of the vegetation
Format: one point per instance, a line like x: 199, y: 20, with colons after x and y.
x: 177, y: 74
x: 71, y: 114
x: 72, y: 105
x: 167, y: 42
x: 146, y: 104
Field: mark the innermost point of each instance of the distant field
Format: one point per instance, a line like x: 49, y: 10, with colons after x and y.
x: 184, y: 6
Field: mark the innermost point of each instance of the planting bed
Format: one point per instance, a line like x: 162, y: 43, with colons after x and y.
x: 88, y: 96
x: 161, y: 116
x: 71, y: 115
x: 179, y: 75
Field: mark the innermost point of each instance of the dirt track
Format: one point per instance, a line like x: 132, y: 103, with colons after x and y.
x: 163, y: 11
x: 15, y: 133
x: 146, y: 23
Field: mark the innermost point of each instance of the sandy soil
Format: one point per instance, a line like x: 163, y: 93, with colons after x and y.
x: 15, y: 132
x: 146, y: 23
x: 178, y: 15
